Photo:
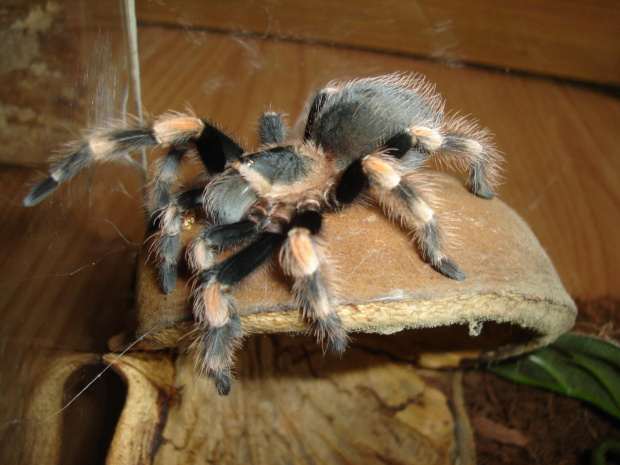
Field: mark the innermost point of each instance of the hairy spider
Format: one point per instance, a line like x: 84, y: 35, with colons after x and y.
x: 367, y: 136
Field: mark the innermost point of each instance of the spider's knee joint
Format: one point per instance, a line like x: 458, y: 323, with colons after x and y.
x: 172, y: 130
x: 426, y: 138
x: 211, y: 306
x: 298, y: 256
x: 381, y: 172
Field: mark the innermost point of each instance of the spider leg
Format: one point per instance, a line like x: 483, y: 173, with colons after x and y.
x: 315, y: 108
x: 168, y: 245
x: 200, y: 254
x: 164, y: 182
x: 399, y: 198
x: 465, y: 144
x: 271, y: 129
x: 302, y: 258
x: 218, y: 321
x: 100, y: 146
x: 216, y: 150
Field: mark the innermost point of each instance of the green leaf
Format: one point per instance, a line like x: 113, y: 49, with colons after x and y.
x: 577, y: 366
x: 602, y: 450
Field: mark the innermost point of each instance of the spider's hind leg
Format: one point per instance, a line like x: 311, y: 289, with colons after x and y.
x: 302, y: 258
x: 466, y: 145
x: 399, y: 198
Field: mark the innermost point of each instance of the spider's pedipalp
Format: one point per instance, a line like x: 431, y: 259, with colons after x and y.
x: 398, y: 197
x: 228, y: 197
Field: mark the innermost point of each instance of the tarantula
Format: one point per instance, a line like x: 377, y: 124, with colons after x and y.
x: 367, y: 136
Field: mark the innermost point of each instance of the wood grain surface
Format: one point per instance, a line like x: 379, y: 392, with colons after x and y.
x: 574, y: 39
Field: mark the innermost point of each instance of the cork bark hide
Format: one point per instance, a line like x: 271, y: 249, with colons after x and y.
x: 512, y: 298
x: 379, y: 402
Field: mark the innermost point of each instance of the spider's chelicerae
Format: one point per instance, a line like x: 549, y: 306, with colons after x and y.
x: 367, y: 136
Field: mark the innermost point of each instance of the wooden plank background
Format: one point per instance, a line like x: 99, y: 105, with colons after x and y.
x: 564, y: 38
x: 66, y: 267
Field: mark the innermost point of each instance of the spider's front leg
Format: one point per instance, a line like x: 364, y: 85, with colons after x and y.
x: 218, y: 323
x: 302, y: 258
x: 113, y: 144
x: 400, y: 199
x: 216, y: 151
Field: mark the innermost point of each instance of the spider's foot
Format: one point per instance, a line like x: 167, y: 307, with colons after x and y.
x: 169, y: 250
x: 167, y: 277
x: 449, y: 269
x: 216, y: 351
x: 478, y: 181
x: 40, y: 191
x: 330, y: 330
x: 483, y: 192
x: 222, y: 380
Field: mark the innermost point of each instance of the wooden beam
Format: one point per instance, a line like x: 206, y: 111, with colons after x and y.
x: 572, y: 39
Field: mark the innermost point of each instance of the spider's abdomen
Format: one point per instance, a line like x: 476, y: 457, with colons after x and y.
x: 360, y: 117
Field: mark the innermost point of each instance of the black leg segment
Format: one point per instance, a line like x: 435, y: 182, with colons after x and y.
x: 238, y: 266
x: 216, y: 149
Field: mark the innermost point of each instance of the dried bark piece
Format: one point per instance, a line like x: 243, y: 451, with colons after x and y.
x: 386, y: 287
x: 150, y: 391
x: 44, y: 420
x: 291, y: 405
x: 295, y: 406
